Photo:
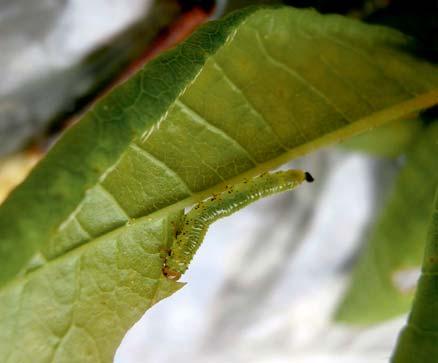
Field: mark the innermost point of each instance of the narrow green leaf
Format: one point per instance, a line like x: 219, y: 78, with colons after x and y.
x: 390, y: 264
x: 83, y: 238
x: 418, y: 341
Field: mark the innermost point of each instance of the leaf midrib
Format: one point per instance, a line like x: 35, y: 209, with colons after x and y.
x: 373, y: 120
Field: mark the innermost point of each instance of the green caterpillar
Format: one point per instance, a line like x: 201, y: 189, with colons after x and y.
x: 194, y: 225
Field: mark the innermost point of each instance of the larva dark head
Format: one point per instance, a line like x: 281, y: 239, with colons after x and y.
x: 309, y: 178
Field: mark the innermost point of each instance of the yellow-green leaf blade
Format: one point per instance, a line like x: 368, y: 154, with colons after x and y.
x: 78, y: 307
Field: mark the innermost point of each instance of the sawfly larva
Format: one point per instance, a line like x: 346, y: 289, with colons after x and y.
x: 194, y: 225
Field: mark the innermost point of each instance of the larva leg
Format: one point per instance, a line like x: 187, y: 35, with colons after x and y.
x: 195, y: 223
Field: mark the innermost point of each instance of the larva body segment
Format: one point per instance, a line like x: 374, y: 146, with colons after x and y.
x: 196, y: 222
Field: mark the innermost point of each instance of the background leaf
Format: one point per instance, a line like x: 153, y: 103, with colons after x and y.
x: 418, y: 340
x: 383, y: 283
x: 83, y: 238
x: 389, y: 140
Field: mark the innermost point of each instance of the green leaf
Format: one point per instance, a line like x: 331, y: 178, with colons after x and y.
x: 78, y: 307
x: 390, y: 263
x: 390, y: 140
x: 418, y: 341
x: 81, y: 238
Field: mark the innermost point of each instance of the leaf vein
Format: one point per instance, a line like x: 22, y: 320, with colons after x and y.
x: 199, y: 119
x: 113, y: 199
x: 162, y: 165
x: 295, y: 74
x: 345, y: 80
x: 251, y: 106
x: 368, y: 60
x: 87, y: 234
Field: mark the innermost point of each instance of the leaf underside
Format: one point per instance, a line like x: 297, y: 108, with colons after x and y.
x: 82, y: 238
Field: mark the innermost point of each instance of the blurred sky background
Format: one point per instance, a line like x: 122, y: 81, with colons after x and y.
x: 266, y: 281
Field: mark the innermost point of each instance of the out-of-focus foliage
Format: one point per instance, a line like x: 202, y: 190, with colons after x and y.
x: 384, y: 281
x: 390, y: 140
x: 418, y: 340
